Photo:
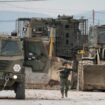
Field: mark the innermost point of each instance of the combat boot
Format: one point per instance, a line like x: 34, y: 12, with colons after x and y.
x: 66, y: 93
x: 62, y: 93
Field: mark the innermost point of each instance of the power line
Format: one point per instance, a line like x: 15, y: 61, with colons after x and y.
x: 51, y: 10
x: 100, y: 12
x: 6, y: 21
x: 19, y: 0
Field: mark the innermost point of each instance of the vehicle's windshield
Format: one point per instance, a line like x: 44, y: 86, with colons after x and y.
x: 10, y: 47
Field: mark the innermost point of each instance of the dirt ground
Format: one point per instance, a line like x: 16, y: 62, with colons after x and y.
x: 53, y: 97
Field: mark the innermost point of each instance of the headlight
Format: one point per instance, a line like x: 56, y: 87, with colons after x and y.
x: 17, y: 67
x: 15, y: 77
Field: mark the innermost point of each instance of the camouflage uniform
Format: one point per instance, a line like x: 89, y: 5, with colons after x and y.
x: 64, y: 82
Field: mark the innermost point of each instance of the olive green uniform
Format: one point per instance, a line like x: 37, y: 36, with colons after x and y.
x: 64, y: 82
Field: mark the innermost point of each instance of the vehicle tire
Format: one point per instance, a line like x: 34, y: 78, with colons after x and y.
x: 20, y: 91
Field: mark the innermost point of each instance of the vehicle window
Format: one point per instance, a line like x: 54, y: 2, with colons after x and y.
x: 10, y: 47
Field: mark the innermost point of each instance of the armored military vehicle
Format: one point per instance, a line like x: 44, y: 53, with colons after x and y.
x: 34, y: 35
x: 35, y: 55
x: 91, y: 72
x: 12, y: 76
x: 92, y: 69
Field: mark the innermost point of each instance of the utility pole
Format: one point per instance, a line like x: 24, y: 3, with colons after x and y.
x: 93, y: 29
x: 93, y: 13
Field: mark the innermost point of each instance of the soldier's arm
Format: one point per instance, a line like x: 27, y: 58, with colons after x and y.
x: 61, y: 69
x: 70, y: 69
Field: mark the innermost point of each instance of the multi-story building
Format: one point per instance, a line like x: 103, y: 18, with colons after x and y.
x: 68, y: 37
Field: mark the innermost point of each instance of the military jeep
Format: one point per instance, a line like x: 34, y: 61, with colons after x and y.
x: 12, y: 74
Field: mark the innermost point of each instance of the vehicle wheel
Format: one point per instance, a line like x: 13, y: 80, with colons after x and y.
x: 20, y: 91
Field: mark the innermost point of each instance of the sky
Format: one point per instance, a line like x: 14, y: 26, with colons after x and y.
x: 54, y: 7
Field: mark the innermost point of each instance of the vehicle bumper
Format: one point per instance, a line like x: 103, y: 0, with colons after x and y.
x: 11, y: 79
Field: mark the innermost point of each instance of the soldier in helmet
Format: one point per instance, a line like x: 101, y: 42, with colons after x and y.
x: 64, y: 82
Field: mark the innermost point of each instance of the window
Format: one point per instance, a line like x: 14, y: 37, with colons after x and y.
x: 67, y: 42
x: 67, y: 26
x: 10, y: 47
x: 67, y: 35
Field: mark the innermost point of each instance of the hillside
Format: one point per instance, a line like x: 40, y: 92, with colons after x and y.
x: 8, y: 18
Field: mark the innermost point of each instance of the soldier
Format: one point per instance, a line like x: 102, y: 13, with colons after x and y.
x: 64, y: 82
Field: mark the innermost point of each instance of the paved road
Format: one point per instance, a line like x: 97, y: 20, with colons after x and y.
x: 52, y: 97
